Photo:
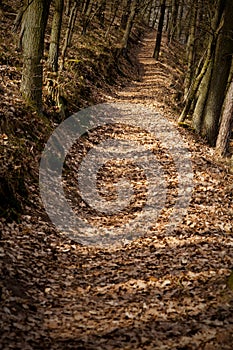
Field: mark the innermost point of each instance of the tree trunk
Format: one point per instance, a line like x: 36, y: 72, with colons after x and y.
x: 89, y: 14
x: 68, y: 35
x: 67, y: 7
x: 113, y: 17
x: 155, y: 16
x: 149, y: 12
x: 167, y: 21
x: 160, y: 31
x: 196, y: 86
x: 85, y: 6
x: 198, y: 116
x: 180, y: 20
x: 173, y: 21
x: 190, y: 50
x: 34, y: 23
x: 219, y: 77
x: 125, y: 15
x: 226, y: 125
x: 129, y: 25
x: 55, y: 36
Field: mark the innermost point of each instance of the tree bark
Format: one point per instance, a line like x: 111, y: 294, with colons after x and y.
x: 125, y: 15
x: 173, y: 21
x: 149, y: 12
x: 219, y: 77
x: 68, y: 35
x: 115, y: 7
x: 129, y: 25
x: 190, y: 49
x: 197, y: 118
x: 196, y: 87
x: 155, y: 16
x: 55, y: 36
x: 34, y: 23
x: 67, y: 7
x: 180, y: 19
x: 85, y: 6
x: 86, y: 15
x: 160, y: 31
x: 226, y: 125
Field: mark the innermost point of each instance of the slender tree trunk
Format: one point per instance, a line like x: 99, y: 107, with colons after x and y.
x: 190, y: 50
x: 160, y: 31
x: 115, y: 9
x: 67, y: 7
x: 167, y: 21
x: 226, y: 125
x: 68, y: 35
x: 180, y: 19
x: 125, y: 15
x: 155, y: 15
x: 197, y: 118
x: 173, y: 21
x: 88, y: 15
x: 149, y: 11
x: 34, y: 23
x: 86, y: 6
x: 55, y: 36
x: 129, y: 25
x: 194, y: 88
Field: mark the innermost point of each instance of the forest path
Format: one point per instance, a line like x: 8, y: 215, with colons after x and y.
x: 159, y: 80
x: 162, y: 291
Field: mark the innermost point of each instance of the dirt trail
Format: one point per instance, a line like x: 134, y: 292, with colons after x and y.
x: 159, y: 81
x: 158, y: 292
x: 142, y: 91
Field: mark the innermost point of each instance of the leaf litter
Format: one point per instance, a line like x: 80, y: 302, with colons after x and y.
x: 160, y: 291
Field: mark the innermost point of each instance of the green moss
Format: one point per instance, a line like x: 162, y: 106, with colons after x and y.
x: 186, y: 126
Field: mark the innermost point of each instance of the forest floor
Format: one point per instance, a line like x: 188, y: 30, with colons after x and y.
x: 161, y: 291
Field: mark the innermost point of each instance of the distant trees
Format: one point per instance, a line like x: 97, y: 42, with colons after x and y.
x: 213, y: 90
x: 173, y: 20
x: 33, y: 18
x: 205, y: 27
x: 129, y: 23
x: 72, y: 14
x: 209, y: 62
